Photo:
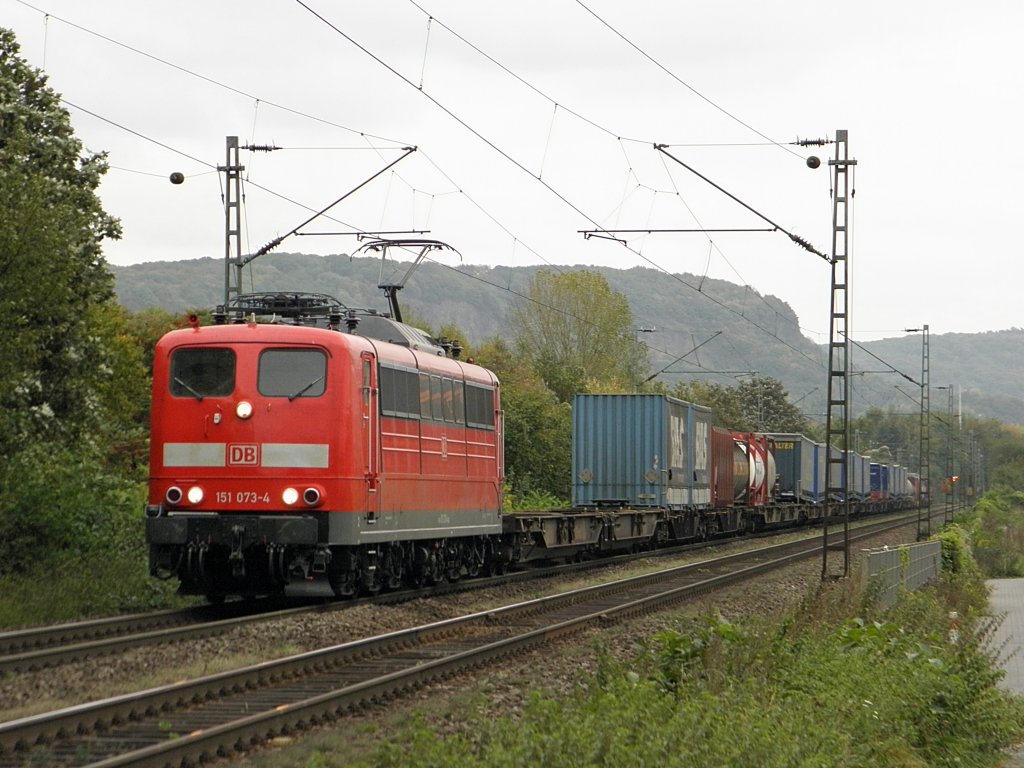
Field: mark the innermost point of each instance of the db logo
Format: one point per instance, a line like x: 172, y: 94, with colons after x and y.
x: 239, y: 453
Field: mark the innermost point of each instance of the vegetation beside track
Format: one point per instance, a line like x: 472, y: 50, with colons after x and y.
x: 95, y: 561
x: 996, y: 527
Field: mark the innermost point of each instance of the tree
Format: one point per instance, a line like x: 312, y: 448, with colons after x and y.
x: 759, y: 404
x: 53, y: 274
x: 888, y: 436
x: 726, y: 409
x: 578, y: 334
x: 537, y: 426
x: 149, y: 325
x: 766, y: 407
x: 72, y: 380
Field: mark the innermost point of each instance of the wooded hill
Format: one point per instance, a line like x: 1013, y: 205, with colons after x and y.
x: 759, y: 334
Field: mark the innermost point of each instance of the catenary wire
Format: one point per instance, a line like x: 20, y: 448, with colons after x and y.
x: 434, y: 20
x: 361, y: 133
x: 364, y: 134
x: 519, y: 165
x: 679, y: 80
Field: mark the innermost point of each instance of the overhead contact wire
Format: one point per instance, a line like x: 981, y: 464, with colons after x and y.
x: 206, y: 79
x: 679, y: 80
x: 365, y: 135
x: 518, y: 164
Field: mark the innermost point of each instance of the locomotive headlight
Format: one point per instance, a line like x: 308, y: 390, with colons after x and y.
x: 290, y: 496
x: 312, y: 496
x: 173, y: 495
x: 243, y: 410
x: 195, y: 494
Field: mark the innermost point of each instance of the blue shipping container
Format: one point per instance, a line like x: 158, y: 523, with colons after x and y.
x: 640, y: 450
x: 800, y: 463
x: 880, y: 481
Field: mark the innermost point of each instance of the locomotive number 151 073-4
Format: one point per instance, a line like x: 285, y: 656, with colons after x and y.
x: 242, y: 497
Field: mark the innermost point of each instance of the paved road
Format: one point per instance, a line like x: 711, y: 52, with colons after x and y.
x: 1007, y: 599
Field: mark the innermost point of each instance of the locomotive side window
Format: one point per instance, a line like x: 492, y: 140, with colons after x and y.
x: 425, y: 396
x: 436, y: 406
x: 479, y: 406
x: 367, y: 383
x: 202, y: 372
x: 292, y: 373
x: 447, y: 398
x: 458, y: 402
x: 399, y: 392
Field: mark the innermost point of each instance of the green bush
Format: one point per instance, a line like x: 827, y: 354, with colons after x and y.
x: 71, y: 539
x: 996, y: 528
x: 898, y: 690
x: 94, y: 584
x: 56, y: 502
x: 532, y: 500
x: 957, y: 557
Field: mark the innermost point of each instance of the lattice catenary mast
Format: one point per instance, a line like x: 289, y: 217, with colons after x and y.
x: 837, y: 420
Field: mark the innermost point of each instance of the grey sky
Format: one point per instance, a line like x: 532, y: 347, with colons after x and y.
x: 930, y: 93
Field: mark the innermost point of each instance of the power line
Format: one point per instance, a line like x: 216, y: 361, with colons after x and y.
x: 275, y: 105
x: 679, y: 80
x: 434, y: 20
x: 205, y: 78
x: 513, y: 161
x: 493, y: 146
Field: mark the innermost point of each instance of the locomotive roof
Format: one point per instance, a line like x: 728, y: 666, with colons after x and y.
x: 406, y: 349
x: 322, y: 310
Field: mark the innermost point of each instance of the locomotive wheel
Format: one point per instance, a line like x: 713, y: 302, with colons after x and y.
x: 392, y: 567
x: 343, y: 584
x: 476, y: 559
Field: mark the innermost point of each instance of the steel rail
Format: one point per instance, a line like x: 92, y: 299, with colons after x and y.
x: 42, y: 647
x: 646, y: 592
x: 49, y: 646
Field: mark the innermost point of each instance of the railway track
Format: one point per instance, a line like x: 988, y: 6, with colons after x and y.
x: 50, y: 646
x: 217, y: 715
x: 47, y: 646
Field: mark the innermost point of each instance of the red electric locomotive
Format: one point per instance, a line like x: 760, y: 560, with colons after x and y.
x: 328, y: 458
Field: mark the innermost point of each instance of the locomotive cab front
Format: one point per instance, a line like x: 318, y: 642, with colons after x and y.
x: 241, y: 454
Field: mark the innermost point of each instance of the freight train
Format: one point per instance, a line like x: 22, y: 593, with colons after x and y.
x: 333, y: 451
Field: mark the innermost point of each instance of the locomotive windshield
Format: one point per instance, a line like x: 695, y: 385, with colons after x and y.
x: 292, y: 373
x: 202, y: 372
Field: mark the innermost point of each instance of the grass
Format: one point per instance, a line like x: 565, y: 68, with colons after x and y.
x: 857, y: 692
x: 836, y: 682
x: 76, y: 587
